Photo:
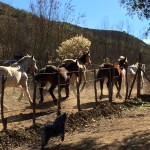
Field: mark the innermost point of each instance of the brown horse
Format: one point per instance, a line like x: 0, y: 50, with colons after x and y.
x: 50, y: 74
x: 113, y: 72
x: 81, y: 61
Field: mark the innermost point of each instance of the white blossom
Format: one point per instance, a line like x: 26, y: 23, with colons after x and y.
x: 73, y: 47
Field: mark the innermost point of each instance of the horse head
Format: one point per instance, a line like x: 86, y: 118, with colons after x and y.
x: 71, y: 65
x: 32, y: 64
x: 142, y: 66
x: 123, y: 62
x: 85, y: 58
x: 27, y: 63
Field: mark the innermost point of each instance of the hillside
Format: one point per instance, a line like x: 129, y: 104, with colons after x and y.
x: 21, y: 33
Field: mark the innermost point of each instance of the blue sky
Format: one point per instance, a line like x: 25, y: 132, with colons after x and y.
x: 100, y: 14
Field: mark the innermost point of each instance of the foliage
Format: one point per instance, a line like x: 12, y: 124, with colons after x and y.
x: 38, y: 33
x: 73, y: 47
x: 137, y: 7
x: 24, y: 33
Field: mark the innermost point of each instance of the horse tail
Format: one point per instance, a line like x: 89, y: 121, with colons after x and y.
x: 99, y: 75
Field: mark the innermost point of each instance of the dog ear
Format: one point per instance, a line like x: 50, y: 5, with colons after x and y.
x: 65, y: 115
x: 58, y: 113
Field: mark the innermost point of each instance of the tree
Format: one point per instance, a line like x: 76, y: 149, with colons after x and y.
x: 50, y: 29
x: 73, y: 47
x: 138, y: 7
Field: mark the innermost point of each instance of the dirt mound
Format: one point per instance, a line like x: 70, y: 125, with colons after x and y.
x: 83, y: 118
x: 77, y: 121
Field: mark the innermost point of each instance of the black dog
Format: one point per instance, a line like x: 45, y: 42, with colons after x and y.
x: 57, y: 128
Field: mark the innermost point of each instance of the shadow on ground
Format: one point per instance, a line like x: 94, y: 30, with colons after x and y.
x: 138, y: 140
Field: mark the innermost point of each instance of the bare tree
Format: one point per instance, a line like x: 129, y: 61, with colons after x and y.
x: 49, y: 31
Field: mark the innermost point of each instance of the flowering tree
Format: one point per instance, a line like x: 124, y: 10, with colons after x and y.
x: 73, y: 47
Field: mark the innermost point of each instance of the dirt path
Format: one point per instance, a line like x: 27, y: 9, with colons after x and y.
x: 131, y: 132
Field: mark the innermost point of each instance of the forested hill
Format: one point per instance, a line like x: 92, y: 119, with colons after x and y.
x: 22, y: 32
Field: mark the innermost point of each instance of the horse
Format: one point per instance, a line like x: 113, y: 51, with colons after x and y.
x: 9, y: 62
x: 113, y: 74
x: 131, y: 71
x: 76, y: 76
x: 16, y: 75
x: 50, y: 74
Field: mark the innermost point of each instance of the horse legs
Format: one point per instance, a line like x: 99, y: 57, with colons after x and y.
x: 28, y: 95
x: 118, y: 95
x: 22, y: 94
x: 101, y: 87
x: 73, y: 81
x: 84, y: 81
x: 51, y: 89
x: 73, y: 88
x: 110, y: 88
x: 67, y: 90
x: 24, y: 85
x: 124, y: 82
x: 142, y: 80
x: 41, y: 93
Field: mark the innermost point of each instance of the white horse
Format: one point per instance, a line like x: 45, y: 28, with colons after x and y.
x: 16, y: 74
x: 131, y: 71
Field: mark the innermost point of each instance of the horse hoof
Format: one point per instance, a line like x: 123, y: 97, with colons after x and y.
x: 81, y: 90
x: 41, y: 102
x: 118, y: 96
x: 5, y: 107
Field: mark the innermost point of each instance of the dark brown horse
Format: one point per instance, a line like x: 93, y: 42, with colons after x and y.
x: 81, y: 61
x: 50, y: 74
x: 112, y: 72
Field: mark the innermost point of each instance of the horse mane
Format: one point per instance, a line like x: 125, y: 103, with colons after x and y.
x: 18, y: 62
x: 22, y: 59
